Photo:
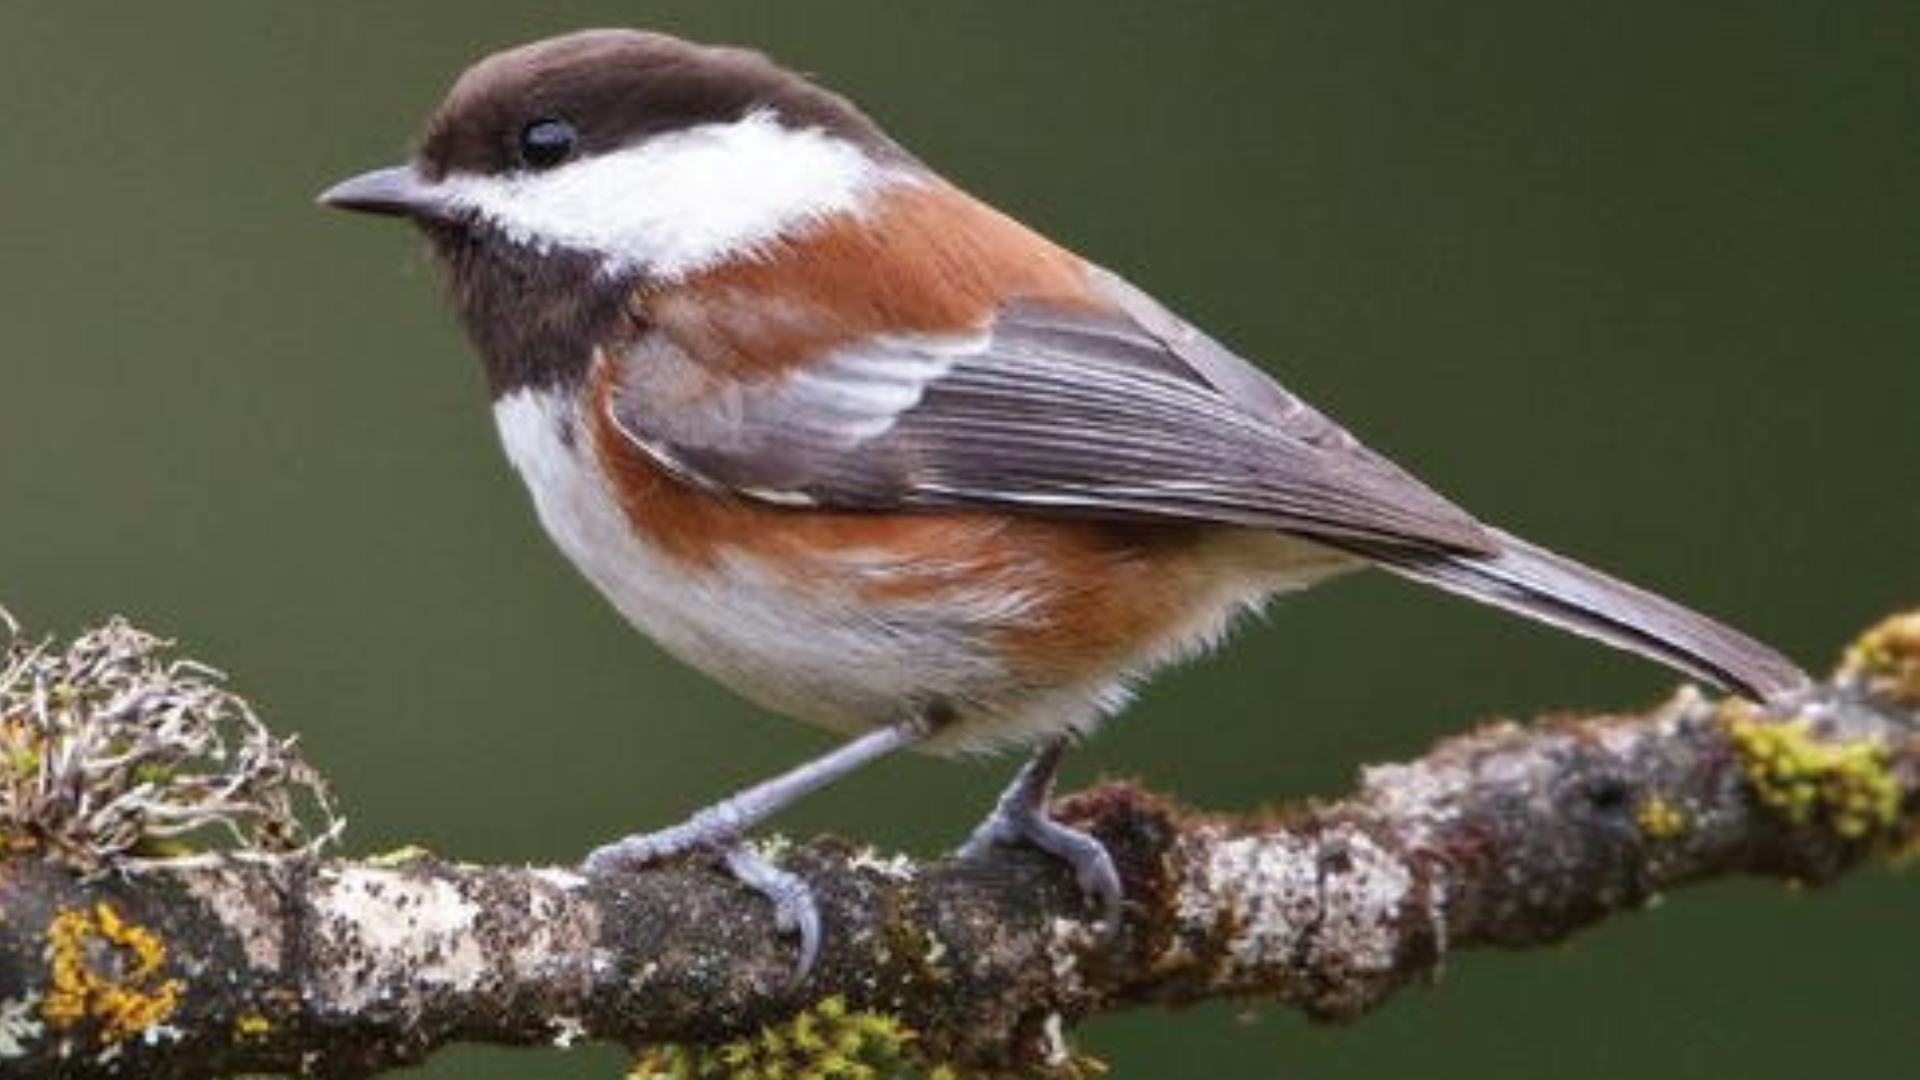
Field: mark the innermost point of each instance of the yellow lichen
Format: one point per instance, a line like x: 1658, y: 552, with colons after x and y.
x: 251, y: 1027
x: 1660, y: 819
x: 826, y: 1041
x: 1847, y: 786
x: 1887, y: 658
x: 103, y: 968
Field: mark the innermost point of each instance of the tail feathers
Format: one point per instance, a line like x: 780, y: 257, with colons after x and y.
x: 1540, y: 585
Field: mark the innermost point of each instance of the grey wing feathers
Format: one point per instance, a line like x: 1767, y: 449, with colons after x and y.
x: 1071, y: 411
x: 1201, y: 357
x: 1130, y: 413
x: 1531, y: 581
x: 1062, y: 414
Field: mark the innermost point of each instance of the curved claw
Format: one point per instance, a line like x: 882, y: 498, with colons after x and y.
x: 1021, y: 818
x: 1092, y: 864
x: 717, y: 830
x: 794, y: 909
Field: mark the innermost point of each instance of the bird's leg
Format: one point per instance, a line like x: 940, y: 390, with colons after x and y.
x: 1021, y: 817
x: 720, y: 829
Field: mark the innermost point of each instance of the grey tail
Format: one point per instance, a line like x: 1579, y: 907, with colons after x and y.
x: 1540, y: 585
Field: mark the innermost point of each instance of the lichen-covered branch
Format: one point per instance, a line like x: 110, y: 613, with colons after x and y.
x: 1507, y: 835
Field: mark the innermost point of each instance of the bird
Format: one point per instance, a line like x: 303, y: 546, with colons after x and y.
x: 878, y: 456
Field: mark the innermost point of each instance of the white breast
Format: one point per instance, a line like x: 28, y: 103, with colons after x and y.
x: 801, y: 648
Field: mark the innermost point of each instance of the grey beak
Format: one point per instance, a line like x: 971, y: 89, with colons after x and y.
x: 399, y: 191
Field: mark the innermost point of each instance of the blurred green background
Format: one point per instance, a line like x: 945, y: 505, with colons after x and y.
x: 1637, y: 279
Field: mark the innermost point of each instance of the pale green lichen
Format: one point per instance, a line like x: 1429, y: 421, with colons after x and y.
x: 104, y: 969
x: 20, y: 1026
x: 1847, y: 786
x: 400, y: 856
x: 114, y: 753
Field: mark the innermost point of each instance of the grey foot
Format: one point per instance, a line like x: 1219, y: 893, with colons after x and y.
x: 794, y: 909
x: 718, y: 830
x: 1020, y: 817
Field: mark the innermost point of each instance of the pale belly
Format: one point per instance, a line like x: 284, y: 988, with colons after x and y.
x: 812, y: 648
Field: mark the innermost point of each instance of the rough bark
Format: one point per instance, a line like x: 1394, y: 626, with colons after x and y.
x: 1505, y: 836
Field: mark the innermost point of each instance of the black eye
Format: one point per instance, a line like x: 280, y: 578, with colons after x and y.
x: 546, y: 143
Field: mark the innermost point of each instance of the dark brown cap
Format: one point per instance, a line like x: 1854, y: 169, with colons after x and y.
x: 619, y: 87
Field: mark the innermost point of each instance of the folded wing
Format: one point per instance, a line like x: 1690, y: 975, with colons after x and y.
x: 1071, y: 411
x: 1125, y: 411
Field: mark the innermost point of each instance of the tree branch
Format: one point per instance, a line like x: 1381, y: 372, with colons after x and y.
x: 1505, y: 836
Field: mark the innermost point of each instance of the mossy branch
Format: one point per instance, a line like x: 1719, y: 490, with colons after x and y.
x: 1507, y: 835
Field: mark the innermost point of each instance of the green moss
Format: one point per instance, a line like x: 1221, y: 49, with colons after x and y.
x: 1887, y: 658
x: 1660, y: 819
x: 252, y: 1027
x: 1844, y: 786
x: 826, y: 1041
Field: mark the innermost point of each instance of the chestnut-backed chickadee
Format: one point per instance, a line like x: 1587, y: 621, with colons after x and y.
x: 882, y: 458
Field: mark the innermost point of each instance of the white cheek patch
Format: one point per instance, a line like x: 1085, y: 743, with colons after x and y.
x: 681, y: 201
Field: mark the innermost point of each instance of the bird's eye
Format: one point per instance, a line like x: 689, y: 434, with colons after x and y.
x: 546, y: 143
